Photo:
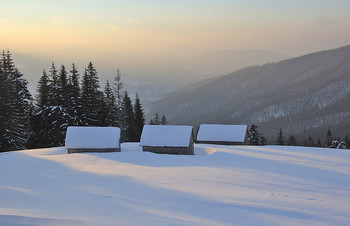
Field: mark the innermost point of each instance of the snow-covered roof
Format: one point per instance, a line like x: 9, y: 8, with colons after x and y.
x: 224, y: 133
x: 166, y: 136
x: 92, y: 137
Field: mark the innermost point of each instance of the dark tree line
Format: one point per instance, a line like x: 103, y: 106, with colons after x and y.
x: 62, y: 100
x: 329, y: 141
x: 158, y: 121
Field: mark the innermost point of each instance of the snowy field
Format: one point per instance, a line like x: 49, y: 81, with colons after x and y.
x: 220, y: 185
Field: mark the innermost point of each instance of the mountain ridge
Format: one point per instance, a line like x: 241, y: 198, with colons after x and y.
x: 303, y: 96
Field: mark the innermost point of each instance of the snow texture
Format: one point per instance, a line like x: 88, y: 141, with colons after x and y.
x: 226, y: 133
x: 166, y: 136
x: 219, y: 185
x: 92, y: 137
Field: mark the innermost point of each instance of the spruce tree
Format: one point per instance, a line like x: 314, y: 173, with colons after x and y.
x: 163, y: 121
x: 42, y: 97
x: 318, y: 142
x: 53, y: 84
x: 118, y: 90
x: 37, y: 137
x: 263, y: 140
x: 128, y: 124
x: 328, y: 139
x: 156, y: 120
x: 63, y: 94
x: 253, y: 137
x: 91, y: 98
x: 16, y: 104
x: 49, y: 123
x: 5, y: 109
x: 291, y: 141
x: 110, y: 105
x: 347, y: 141
x: 56, y: 116
x: 309, y: 142
x: 139, y: 117
x: 280, y: 138
x: 74, y: 98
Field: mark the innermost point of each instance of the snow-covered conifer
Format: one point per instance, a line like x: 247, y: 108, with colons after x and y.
x: 16, y: 103
x: 139, y: 117
x: 92, y: 98
x: 110, y: 105
x: 128, y: 123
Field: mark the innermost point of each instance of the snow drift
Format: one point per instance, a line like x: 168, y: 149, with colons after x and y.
x: 219, y: 185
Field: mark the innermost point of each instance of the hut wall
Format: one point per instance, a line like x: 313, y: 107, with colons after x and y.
x: 170, y: 150
x: 220, y: 142
x: 82, y: 150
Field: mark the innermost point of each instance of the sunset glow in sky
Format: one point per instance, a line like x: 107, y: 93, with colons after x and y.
x: 157, y: 27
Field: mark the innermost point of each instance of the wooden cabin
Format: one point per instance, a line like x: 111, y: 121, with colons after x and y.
x: 167, y: 139
x: 221, y: 134
x: 92, y: 139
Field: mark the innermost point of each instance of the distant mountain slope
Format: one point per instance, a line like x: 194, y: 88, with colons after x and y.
x: 222, y: 62
x: 303, y: 96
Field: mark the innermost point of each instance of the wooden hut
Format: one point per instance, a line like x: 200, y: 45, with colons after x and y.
x: 221, y: 134
x: 92, y: 139
x: 167, y: 139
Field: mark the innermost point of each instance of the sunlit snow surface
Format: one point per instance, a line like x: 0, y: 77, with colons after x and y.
x: 219, y: 185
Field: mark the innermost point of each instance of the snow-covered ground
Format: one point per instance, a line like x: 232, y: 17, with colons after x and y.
x: 220, y: 185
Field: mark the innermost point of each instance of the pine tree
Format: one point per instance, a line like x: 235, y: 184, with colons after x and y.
x: 43, y: 91
x: 329, y: 138
x: 253, y: 137
x: 16, y: 104
x: 263, y: 140
x: 318, y: 143
x: 53, y: 84
x: 156, y: 120
x: 5, y: 109
x: 163, y: 121
x: 74, y: 98
x: 291, y: 141
x: 280, y: 138
x: 62, y: 87
x: 110, y: 105
x: 309, y: 142
x: 118, y: 90
x: 347, y: 141
x: 56, y: 116
x: 128, y: 123
x: 92, y: 98
x: 38, y: 127
x: 139, y: 117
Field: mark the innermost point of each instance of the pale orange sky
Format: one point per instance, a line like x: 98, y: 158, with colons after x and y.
x: 155, y: 28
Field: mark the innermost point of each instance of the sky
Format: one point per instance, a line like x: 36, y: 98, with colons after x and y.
x: 143, y: 36
x: 157, y: 27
